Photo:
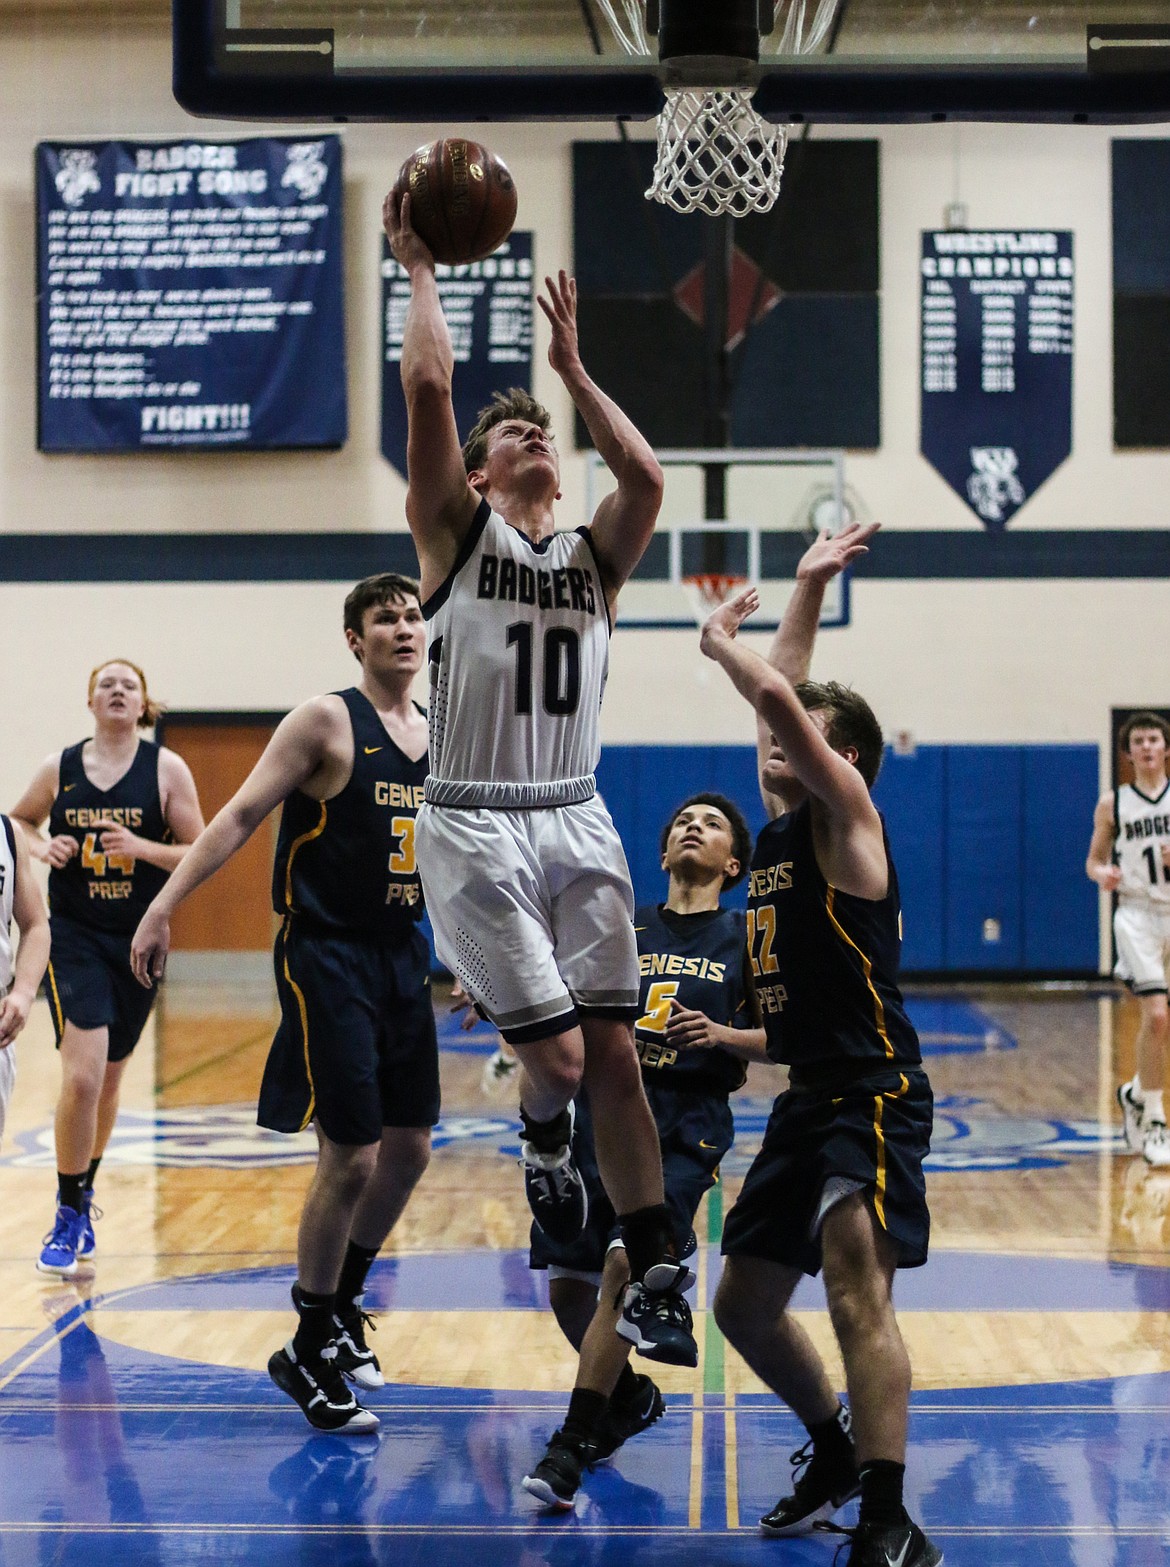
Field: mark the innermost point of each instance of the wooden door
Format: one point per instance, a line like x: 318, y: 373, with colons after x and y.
x: 233, y: 911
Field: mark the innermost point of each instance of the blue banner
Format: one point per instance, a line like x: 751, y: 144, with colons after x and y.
x: 997, y: 342
x: 488, y: 306
x: 189, y: 294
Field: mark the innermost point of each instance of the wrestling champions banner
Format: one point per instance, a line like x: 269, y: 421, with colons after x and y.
x: 997, y: 343
x: 189, y: 294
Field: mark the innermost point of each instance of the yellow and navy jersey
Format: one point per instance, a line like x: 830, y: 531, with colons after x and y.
x: 824, y: 962
x: 698, y: 960
x: 348, y: 863
x: 106, y: 891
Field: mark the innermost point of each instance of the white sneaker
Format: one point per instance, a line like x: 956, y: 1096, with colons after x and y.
x: 1156, y: 1145
x: 1131, y: 1116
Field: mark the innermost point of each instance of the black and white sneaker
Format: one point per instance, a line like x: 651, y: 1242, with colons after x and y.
x: 355, y: 1359
x: 875, y: 1545
x: 818, y: 1490
x: 1131, y: 1117
x: 657, y: 1322
x: 622, y: 1421
x: 557, y: 1477
x: 554, y: 1188
x: 321, y: 1391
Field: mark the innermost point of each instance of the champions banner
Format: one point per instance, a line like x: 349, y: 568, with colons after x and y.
x: 189, y: 294
x: 488, y: 306
x: 997, y: 342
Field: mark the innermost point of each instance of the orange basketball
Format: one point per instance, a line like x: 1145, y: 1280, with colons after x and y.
x: 462, y: 199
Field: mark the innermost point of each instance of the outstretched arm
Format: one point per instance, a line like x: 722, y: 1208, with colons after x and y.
x: 625, y: 520
x: 1099, y: 866
x: 290, y: 758
x: 440, y: 504
x: 32, y: 956
x: 792, y: 646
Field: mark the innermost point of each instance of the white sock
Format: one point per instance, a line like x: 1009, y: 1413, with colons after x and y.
x: 1152, y: 1107
x: 1135, y: 1089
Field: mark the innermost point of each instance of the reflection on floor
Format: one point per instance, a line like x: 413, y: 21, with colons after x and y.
x: 138, y: 1425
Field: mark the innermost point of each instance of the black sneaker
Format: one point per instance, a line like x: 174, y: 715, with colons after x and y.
x: 554, y: 1188
x: 818, y: 1489
x: 622, y: 1421
x: 658, y: 1324
x: 355, y: 1359
x: 557, y: 1476
x: 321, y: 1391
x: 899, y: 1545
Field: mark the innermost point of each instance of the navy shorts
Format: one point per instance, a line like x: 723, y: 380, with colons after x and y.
x: 89, y: 983
x: 875, y: 1132
x: 694, y: 1131
x: 355, y: 1049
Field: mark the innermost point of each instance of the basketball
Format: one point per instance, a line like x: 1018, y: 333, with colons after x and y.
x: 462, y: 199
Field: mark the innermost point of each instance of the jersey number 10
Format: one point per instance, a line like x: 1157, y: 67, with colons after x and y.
x: 1151, y: 857
x: 562, y: 668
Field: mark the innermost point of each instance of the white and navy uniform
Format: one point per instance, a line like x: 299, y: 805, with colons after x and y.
x: 1141, y: 923
x: 7, y: 961
x: 525, y: 878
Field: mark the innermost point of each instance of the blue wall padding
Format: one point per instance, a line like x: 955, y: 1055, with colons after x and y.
x: 983, y: 822
x: 1061, y: 785
x: 910, y: 793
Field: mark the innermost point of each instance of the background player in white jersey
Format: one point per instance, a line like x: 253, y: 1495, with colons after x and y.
x: 525, y: 877
x: 1129, y: 854
x: 20, y: 971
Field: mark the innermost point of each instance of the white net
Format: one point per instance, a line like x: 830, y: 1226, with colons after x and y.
x: 716, y: 154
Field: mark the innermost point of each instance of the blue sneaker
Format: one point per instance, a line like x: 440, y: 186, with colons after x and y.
x: 59, y: 1255
x: 87, y: 1245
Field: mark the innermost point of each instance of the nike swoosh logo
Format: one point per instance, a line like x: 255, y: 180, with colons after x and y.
x: 702, y: 1144
x: 371, y: 750
x: 65, y: 788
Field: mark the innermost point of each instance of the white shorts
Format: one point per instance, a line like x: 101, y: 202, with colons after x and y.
x: 1142, y: 933
x: 7, y: 1079
x: 533, y: 911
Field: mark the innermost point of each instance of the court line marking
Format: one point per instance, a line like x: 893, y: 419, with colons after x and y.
x: 603, y: 1531
x: 203, y: 1066
x: 186, y: 1405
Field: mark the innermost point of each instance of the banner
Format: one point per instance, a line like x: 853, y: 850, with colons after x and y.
x: 189, y: 294
x: 488, y: 306
x: 997, y: 342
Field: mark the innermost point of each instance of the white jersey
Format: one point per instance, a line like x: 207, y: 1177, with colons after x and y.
x: 1142, y: 831
x: 7, y: 893
x: 519, y: 655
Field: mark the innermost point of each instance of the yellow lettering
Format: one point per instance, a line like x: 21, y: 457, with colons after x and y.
x: 762, y: 922
x: 402, y: 859
x: 674, y: 964
x: 657, y: 1014
x: 93, y: 859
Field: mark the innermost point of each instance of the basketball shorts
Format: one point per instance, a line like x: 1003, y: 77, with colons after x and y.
x: 694, y: 1131
x: 533, y: 911
x: 1142, y: 934
x: 89, y: 983
x: 355, y: 1049
x: 871, y: 1136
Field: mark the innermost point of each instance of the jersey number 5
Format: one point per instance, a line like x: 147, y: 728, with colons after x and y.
x: 658, y: 998
x: 562, y: 668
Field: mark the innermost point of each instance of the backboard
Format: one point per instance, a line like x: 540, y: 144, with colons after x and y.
x: 855, y: 61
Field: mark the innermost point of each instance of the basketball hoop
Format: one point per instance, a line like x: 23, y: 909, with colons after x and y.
x: 708, y: 590
x: 716, y: 154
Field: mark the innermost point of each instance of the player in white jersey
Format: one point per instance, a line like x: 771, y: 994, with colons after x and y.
x: 20, y: 971
x: 525, y: 878
x: 1130, y: 855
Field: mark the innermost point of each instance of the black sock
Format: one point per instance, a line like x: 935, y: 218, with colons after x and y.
x: 353, y: 1273
x: 92, y: 1172
x: 831, y: 1440
x: 69, y: 1190
x: 647, y: 1237
x: 315, y: 1322
x: 627, y: 1387
x: 586, y: 1412
x: 881, y: 1492
x: 547, y: 1136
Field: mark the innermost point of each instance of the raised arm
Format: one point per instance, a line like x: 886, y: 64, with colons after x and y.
x: 852, y: 851
x: 624, y: 521
x: 440, y: 504
x: 290, y: 759
x: 792, y: 646
x: 32, y: 956
x: 1099, y: 866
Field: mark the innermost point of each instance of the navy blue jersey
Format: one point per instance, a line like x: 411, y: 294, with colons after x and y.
x: 106, y: 891
x: 348, y: 863
x: 825, y: 962
x: 697, y: 960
